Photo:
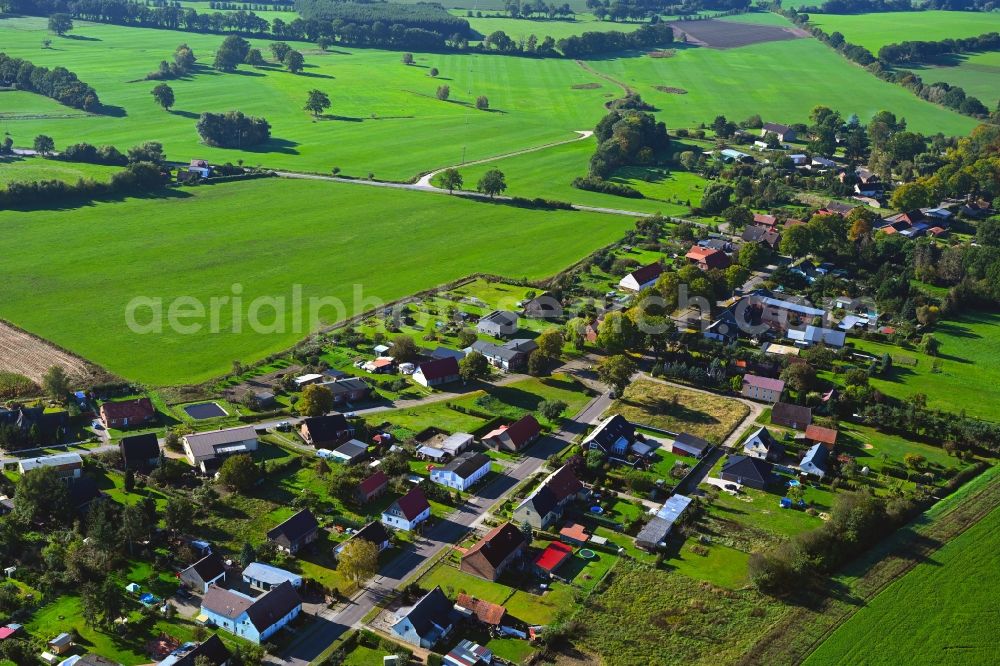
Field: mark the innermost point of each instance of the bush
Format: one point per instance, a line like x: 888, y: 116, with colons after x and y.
x: 594, y: 184
x: 233, y: 129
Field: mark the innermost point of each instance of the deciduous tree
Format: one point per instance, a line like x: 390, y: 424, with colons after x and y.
x: 60, y: 24
x: 616, y: 371
x: 492, y: 183
x: 473, y: 366
x: 317, y: 102
x: 164, y: 95
x: 315, y: 400
x: 239, y: 473
x: 358, y: 561
x: 451, y: 179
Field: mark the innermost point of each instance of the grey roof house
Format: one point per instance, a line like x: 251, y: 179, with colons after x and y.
x: 498, y: 324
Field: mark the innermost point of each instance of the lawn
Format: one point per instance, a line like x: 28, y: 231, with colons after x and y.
x: 969, y: 358
x: 873, y: 31
x: 777, y: 80
x: 25, y: 169
x: 942, y: 612
x: 206, y: 245
x: 678, y: 410
x: 65, y: 614
x: 529, y: 607
x: 646, y: 612
x: 549, y: 173
x: 385, y: 116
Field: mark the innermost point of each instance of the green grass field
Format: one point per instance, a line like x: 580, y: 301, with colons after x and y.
x: 549, y: 173
x: 969, y: 377
x: 941, y: 612
x: 778, y: 80
x: 873, y: 31
x: 976, y: 73
x: 24, y: 169
x: 354, y: 243
x: 387, y: 119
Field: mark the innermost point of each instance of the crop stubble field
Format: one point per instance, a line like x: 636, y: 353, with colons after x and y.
x: 25, y: 354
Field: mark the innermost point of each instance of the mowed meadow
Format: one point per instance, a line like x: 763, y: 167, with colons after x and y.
x: 942, y: 612
x: 77, y: 268
x: 385, y: 117
x: 875, y: 30
x: 780, y: 80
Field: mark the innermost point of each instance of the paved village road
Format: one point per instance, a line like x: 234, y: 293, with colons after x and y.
x: 332, y: 623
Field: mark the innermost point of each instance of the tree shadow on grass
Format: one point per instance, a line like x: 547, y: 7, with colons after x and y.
x: 183, y: 114
x: 348, y: 119
x: 166, y: 193
x: 283, y: 146
x: 82, y: 38
x: 113, y: 111
x: 246, y: 72
x: 316, y: 75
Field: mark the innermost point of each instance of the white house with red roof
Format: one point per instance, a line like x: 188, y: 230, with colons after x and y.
x: 408, y: 511
x: 641, y: 278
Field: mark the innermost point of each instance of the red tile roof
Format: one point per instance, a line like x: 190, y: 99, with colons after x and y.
x: 765, y: 220
x: 412, y: 504
x: 553, y: 555
x: 486, y: 612
x: 133, y: 410
x: 373, y: 483
x: 499, y: 544
x: 826, y: 436
x: 574, y: 531
x: 440, y: 368
x: 647, y: 273
x: 520, y: 431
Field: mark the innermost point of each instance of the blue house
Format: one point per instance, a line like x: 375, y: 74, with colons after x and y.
x: 256, y: 620
x: 427, y: 621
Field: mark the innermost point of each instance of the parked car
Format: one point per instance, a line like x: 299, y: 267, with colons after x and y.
x: 284, y: 426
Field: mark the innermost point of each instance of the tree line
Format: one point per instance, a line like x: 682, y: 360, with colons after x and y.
x: 869, y: 6
x: 145, y: 171
x: 359, y: 28
x: 947, y: 95
x: 593, y: 43
x: 430, y: 17
x: 921, y: 51
x: 59, y: 84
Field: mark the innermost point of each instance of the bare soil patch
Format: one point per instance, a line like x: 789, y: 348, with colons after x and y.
x: 31, y: 356
x: 586, y: 86
x: 669, y: 53
x: 728, y: 35
x: 670, y: 90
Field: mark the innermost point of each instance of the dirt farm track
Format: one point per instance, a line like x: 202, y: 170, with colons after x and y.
x: 25, y: 354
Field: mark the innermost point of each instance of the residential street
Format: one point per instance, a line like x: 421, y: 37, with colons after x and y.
x: 331, y: 624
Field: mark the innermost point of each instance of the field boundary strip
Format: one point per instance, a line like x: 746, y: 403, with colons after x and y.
x: 803, y: 630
